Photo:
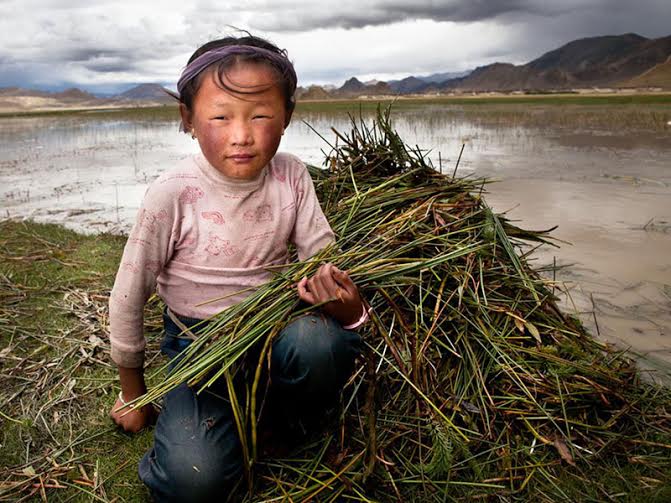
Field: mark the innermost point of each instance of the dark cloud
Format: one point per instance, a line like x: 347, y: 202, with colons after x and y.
x: 85, y: 54
x: 359, y: 15
x: 108, y: 59
x: 105, y: 65
x: 297, y: 17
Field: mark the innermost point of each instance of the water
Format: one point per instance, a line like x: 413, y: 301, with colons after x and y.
x: 607, y: 188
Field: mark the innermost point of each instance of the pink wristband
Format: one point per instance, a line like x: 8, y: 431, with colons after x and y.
x: 360, y: 321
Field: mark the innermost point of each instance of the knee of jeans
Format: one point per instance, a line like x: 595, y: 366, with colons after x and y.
x: 315, y: 354
x: 200, y: 475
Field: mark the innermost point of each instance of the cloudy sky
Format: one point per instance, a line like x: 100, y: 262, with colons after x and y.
x: 110, y: 45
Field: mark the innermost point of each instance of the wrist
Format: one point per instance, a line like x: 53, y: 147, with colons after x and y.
x: 132, y: 383
x: 121, y: 398
x: 361, y: 320
x: 128, y: 405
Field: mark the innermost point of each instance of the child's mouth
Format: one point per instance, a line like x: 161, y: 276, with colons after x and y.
x: 241, y: 157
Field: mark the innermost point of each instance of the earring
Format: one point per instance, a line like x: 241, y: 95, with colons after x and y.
x: 193, y: 134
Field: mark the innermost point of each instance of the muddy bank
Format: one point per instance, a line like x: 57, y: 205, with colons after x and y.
x: 614, y: 259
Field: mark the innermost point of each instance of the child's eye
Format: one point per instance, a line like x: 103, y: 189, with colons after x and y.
x: 221, y: 118
x: 262, y: 117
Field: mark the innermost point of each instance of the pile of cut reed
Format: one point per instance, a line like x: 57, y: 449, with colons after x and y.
x: 474, y: 383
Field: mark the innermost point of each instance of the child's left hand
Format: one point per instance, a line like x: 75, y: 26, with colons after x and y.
x: 332, y: 284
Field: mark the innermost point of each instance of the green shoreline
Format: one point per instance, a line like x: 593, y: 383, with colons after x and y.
x: 170, y: 111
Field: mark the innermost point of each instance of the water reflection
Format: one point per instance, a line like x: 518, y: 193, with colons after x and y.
x: 51, y: 167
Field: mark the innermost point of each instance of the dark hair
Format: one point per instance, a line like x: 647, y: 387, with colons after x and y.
x: 285, y: 72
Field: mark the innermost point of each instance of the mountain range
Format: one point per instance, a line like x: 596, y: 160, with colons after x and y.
x: 613, y: 61
x: 610, y: 61
x: 16, y: 99
x: 617, y: 61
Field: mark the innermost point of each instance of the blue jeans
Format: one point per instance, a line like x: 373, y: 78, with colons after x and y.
x: 197, y: 454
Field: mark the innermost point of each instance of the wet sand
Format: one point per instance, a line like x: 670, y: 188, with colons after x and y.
x: 609, y: 191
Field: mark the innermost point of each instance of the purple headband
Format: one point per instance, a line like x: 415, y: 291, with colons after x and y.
x: 279, y: 61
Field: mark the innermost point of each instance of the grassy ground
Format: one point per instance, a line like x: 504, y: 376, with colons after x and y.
x: 57, y: 386
x: 400, y: 101
x: 482, y: 99
x: 630, y: 113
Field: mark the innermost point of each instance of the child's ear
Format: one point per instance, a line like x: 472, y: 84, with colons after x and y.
x: 185, y: 113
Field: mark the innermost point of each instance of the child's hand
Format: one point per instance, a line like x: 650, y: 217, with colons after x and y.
x: 332, y: 284
x: 132, y: 420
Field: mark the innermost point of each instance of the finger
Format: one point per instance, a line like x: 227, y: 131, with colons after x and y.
x: 343, y: 279
x: 303, y: 292
x: 317, y: 288
x: 323, y: 272
x: 337, y: 287
x: 327, y: 269
x: 329, y: 283
x: 117, y: 410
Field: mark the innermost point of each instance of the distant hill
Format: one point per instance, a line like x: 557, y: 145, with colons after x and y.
x: 153, y: 92
x: 409, y: 85
x: 658, y: 76
x: 312, y: 93
x: 419, y: 83
x: 588, y: 62
x: 379, y: 88
x: 16, y: 99
x: 19, y: 91
x: 438, y: 78
x: 74, y: 94
x: 352, y: 86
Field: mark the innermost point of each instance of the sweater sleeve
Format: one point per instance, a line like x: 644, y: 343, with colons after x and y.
x: 312, y: 231
x: 149, y: 247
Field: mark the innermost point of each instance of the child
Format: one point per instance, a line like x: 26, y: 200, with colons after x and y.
x: 207, y: 230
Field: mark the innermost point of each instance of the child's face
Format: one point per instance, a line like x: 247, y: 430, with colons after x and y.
x: 238, y: 133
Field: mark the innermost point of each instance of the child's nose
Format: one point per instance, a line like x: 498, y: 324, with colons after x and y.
x: 241, y: 133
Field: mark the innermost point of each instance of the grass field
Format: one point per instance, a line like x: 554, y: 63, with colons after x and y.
x: 630, y: 113
x: 399, y: 102
x: 525, y: 99
x: 57, y: 379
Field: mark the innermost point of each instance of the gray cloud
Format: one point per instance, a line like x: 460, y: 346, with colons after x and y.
x: 122, y: 42
x: 109, y: 65
x: 293, y: 16
x: 91, y: 45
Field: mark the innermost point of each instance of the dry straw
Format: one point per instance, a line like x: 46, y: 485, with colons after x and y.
x: 473, y: 383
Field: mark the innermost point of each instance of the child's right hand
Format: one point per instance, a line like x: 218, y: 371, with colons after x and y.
x: 328, y: 284
x: 133, y: 420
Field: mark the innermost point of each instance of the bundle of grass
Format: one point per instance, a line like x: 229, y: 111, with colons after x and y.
x: 473, y: 384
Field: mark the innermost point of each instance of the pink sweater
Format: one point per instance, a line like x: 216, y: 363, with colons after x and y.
x: 200, y: 235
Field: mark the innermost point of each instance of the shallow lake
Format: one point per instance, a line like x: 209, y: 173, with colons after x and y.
x: 607, y: 187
